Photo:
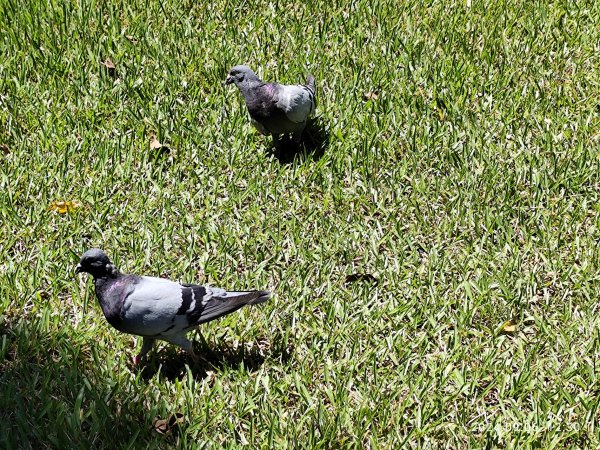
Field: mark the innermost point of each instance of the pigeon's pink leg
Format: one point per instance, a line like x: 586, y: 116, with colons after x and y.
x: 147, y: 345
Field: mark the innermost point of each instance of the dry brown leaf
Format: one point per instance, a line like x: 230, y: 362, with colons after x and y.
x: 64, y: 207
x: 110, y: 67
x: 4, y: 149
x: 370, y: 96
x: 154, y: 143
x: 131, y: 39
x: 167, y: 426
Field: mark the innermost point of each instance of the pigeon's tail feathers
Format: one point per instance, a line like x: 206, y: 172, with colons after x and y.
x: 224, y: 302
x: 311, y: 84
x: 312, y: 88
x: 263, y: 296
x: 246, y: 297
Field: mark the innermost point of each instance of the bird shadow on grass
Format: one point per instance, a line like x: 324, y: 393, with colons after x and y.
x: 171, y: 362
x: 55, y: 388
x: 313, y: 145
x: 53, y: 394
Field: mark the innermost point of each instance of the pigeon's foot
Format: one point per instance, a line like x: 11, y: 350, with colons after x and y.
x: 276, y: 142
x: 137, y: 362
x: 199, y: 360
x: 147, y: 345
x: 297, y: 138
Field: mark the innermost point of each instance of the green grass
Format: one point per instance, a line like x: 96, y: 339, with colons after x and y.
x: 469, y: 188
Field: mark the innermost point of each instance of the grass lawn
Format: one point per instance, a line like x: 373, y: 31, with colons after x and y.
x: 434, y: 250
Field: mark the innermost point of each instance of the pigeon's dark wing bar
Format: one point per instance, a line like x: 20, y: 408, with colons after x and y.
x: 217, y: 302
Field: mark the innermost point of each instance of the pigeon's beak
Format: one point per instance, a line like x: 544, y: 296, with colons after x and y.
x: 78, y: 268
x: 229, y: 79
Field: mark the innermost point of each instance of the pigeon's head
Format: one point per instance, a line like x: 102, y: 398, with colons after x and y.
x: 96, y: 263
x: 241, y: 74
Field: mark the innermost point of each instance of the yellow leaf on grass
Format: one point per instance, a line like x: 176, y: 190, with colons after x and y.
x: 508, y: 327
x: 64, y: 207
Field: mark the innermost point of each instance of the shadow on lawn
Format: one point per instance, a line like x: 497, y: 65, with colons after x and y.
x: 315, y: 141
x: 57, y: 390
x: 52, y: 396
x: 172, y: 361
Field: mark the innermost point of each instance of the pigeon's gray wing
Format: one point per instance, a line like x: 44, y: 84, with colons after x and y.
x: 153, y: 307
x: 157, y: 307
x: 296, y: 101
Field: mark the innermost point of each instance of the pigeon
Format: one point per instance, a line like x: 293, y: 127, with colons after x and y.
x: 157, y: 308
x: 275, y: 108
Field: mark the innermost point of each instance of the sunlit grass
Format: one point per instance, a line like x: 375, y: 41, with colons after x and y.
x: 459, y: 183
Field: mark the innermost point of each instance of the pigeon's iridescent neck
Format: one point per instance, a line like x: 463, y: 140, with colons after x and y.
x: 253, y: 89
x: 252, y: 84
x: 264, y: 90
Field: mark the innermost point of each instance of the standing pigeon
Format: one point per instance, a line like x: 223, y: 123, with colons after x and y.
x: 156, y: 308
x: 275, y: 108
